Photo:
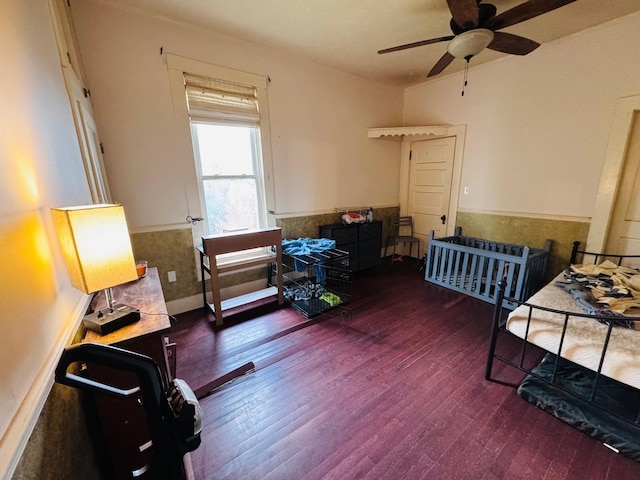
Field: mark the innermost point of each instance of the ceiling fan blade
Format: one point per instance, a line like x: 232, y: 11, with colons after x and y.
x: 513, y: 44
x: 523, y: 12
x: 443, y: 63
x: 464, y: 13
x: 417, y: 44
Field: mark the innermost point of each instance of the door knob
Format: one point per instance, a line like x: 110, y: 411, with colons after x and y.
x: 443, y: 218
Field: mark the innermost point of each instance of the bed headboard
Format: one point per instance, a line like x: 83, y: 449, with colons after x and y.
x: 583, y: 256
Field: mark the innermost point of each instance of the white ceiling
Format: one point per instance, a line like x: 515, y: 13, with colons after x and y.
x: 346, y: 34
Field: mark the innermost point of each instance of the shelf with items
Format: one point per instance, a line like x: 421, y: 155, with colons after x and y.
x: 316, y: 282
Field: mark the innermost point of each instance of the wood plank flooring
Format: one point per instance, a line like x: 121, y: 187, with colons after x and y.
x: 392, y: 389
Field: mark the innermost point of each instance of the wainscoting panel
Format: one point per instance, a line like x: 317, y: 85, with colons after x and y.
x: 528, y: 231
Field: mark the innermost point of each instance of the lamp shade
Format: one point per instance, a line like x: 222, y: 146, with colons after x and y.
x: 96, y: 246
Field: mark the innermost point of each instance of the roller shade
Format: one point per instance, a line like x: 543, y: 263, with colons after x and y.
x: 220, y: 101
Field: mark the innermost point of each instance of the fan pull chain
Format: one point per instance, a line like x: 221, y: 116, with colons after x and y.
x: 466, y: 73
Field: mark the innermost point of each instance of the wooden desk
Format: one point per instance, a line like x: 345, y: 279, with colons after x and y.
x: 123, y: 420
x: 145, y: 336
x: 213, y: 245
x: 144, y: 294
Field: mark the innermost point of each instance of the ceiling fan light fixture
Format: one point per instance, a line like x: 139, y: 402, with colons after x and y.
x: 470, y: 43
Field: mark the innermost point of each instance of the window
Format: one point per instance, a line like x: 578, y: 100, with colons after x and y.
x: 227, y: 182
x: 225, y: 131
x: 229, y: 166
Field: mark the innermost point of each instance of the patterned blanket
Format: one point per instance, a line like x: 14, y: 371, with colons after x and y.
x: 604, y: 289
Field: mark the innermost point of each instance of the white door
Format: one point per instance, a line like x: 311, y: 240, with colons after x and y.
x: 624, y: 230
x: 430, y: 177
x: 88, y: 138
x: 66, y: 37
x: 86, y: 129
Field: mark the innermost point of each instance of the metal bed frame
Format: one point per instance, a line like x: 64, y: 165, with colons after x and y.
x: 599, y: 383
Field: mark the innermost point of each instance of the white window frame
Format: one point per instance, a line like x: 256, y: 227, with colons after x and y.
x: 176, y: 67
x: 258, y: 175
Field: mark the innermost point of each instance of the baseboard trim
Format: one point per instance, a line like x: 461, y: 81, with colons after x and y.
x: 194, y: 302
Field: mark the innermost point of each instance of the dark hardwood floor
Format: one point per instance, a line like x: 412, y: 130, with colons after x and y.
x: 393, y: 389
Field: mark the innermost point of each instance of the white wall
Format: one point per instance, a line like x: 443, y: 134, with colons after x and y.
x: 321, y: 155
x: 40, y: 167
x: 537, y: 132
x: 537, y: 125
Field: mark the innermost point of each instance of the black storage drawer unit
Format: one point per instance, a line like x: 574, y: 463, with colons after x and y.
x: 363, y: 241
x: 346, y: 239
x: 342, y: 234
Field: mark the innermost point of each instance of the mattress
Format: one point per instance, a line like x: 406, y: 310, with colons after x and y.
x: 584, y: 338
x: 617, y: 431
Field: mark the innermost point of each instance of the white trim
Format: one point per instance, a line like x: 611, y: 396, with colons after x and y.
x: 185, y: 304
x: 541, y: 216
x: 160, y: 228
x: 405, y: 169
x: 401, y: 132
x: 194, y: 302
x: 17, y: 435
x: 191, y: 65
x: 185, y: 150
x: 612, y: 171
x: 460, y: 132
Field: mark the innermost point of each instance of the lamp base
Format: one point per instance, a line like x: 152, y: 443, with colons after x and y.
x: 108, y: 320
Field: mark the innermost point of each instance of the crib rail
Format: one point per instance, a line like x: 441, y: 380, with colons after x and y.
x: 473, y: 266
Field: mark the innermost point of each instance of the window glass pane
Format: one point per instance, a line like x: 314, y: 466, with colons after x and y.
x: 231, y: 204
x: 224, y: 149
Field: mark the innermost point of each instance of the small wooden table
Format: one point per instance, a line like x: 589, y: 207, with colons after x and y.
x: 213, y: 245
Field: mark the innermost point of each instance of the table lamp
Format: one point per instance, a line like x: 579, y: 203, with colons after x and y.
x: 97, y: 251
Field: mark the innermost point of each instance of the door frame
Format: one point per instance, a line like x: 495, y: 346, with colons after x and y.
x: 612, y: 171
x: 408, y: 135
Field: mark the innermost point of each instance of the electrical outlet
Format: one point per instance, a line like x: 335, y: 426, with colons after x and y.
x: 466, y: 190
x: 171, y: 276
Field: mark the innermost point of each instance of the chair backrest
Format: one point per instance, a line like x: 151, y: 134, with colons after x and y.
x: 401, y: 222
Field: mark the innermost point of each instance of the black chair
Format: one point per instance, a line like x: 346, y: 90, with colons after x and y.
x: 404, y: 236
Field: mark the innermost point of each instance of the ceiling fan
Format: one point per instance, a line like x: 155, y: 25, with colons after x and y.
x: 475, y: 27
